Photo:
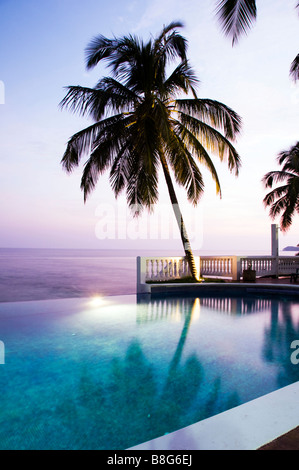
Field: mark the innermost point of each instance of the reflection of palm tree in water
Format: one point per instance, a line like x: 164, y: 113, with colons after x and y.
x: 179, y: 349
x: 181, y: 385
x: 133, y: 406
x: 179, y: 403
x: 278, y: 338
x: 182, y: 399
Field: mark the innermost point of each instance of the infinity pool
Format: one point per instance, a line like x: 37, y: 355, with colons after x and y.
x: 110, y: 373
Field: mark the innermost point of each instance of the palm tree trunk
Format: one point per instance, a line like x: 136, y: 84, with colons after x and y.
x: 179, y: 219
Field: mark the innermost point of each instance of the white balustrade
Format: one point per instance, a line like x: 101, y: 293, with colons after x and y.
x: 288, y: 265
x: 263, y: 265
x: 217, y: 265
x: 159, y: 269
x: 164, y: 269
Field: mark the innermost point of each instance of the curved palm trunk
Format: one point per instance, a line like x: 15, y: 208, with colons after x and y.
x: 179, y: 219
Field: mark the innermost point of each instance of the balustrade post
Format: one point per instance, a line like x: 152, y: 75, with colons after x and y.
x: 141, y: 275
x: 276, y: 266
x: 236, y: 268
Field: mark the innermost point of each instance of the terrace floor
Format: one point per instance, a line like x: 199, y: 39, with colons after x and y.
x: 280, y: 280
x: 288, y: 441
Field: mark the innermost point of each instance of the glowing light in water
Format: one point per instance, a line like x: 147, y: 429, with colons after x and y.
x: 97, y: 301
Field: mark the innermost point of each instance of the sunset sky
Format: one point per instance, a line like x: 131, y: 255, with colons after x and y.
x: 42, y: 51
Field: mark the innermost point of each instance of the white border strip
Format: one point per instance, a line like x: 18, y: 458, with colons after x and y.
x: 246, y: 427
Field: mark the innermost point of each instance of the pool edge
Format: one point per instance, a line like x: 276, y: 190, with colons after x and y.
x: 245, y: 427
x: 214, y: 287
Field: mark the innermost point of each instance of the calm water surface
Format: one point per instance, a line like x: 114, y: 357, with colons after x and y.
x: 81, y: 374
x: 37, y: 274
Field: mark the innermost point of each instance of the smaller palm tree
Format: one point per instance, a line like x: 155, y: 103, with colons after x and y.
x: 284, y: 199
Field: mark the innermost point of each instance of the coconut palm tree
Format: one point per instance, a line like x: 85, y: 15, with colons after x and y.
x: 141, y: 124
x: 236, y: 18
x: 284, y: 199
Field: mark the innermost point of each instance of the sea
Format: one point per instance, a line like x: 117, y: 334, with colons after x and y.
x: 42, y: 274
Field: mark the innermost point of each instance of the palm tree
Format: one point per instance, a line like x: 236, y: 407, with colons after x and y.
x: 284, y: 199
x: 140, y: 125
x: 236, y: 18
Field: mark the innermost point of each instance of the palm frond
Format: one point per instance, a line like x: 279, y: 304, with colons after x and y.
x: 276, y: 193
x: 142, y: 187
x: 166, y: 29
x: 183, y: 78
x: 104, y: 152
x: 277, y: 207
x: 213, y: 112
x: 108, y: 146
x: 119, y: 98
x: 275, y: 177
x: 294, y: 70
x: 90, y: 176
x: 213, y: 140
x: 109, y: 96
x: 119, y: 174
x: 121, y: 54
x: 81, y: 100
x: 126, y: 57
x: 78, y: 145
x: 99, y: 48
x: 199, y: 150
x: 85, y: 141
x: 236, y: 17
x: 290, y: 159
x: 287, y: 208
x: 170, y: 44
x: 287, y: 218
x: 145, y: 139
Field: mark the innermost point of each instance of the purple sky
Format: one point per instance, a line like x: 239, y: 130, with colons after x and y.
x: 42, y: 50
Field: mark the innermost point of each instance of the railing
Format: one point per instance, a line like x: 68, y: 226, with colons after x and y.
x: 287, y: 265
x: 263, y: 265
x: 219, y: 266
x: 271, y: 266
x: 157, y: 269
x: 162, y: 269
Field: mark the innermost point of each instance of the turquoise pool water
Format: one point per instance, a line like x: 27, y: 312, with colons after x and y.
x: 110, y: 373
